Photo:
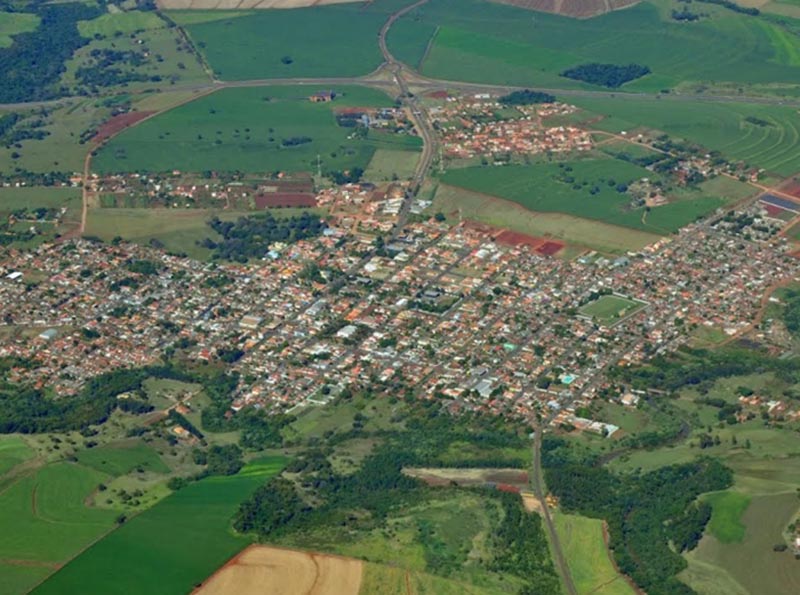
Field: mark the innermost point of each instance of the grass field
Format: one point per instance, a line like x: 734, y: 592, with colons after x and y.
x: 13, y: 451
x: 715, y: 126
x: 337, y: 41
x: 545, y: 188
x: 121, y: 22
x: 587, y: 556
x: 750, y: 566
x: 608, y: 309
x: 728, y: 508
x: 488, y: 42
x: 389, y: 164
x: 379, y: 579
x: 243, y: 130
x: 172, y: 546
x: 121, y: 459
x: 12, y: 23
x: 458, y: 203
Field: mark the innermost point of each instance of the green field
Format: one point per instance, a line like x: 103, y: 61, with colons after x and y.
x: 716, y: 126
x: 610, y: 308
x: 244, y: 129
x: 12, y: 23
x: 121, y: 459
x: 329, y: 41
x: 728, y: 508
x: 486, y: 42
x: 379, y: 579
x: 458, y: 203
x: 389, y: 164
x: 13, y: 451
x: 121, y: 22
x: 170, y: 547
x: 544, y: 187
x: 588, y: 557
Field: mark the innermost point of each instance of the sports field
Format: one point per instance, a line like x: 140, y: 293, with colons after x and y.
x: 247, y: 130
x: 716, y: 126
x: 170, y: 547
x: 588, y: 557
x: 608, y: 309
x: 489, y: 42
x: 12, y: 23
x: 337, y: 41
x: 587, y: 190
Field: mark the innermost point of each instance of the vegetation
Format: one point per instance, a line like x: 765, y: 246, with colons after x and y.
x: 526, y: 97
x: 606, y: 75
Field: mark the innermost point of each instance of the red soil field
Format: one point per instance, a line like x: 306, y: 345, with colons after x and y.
x: 118, y: 123
x: 792, y: 188
x: 514, y: 238
x: 285, y: 199
x: 550, y: 248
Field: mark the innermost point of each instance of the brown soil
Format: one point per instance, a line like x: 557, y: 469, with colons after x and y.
x: 117, y: 123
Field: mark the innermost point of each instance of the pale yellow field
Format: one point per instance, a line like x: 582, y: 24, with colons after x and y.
x: 264, y: 570
x: 243, y: 4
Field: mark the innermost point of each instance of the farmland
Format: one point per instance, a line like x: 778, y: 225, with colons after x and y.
x: 338, y: 41
x: 591, y: 193
x: 123, y: 22
x: 170, y: 547
x: 488, y: 42
x: 588, y: 557
x: 728, y: 507
x: 721, y: 127
x: 245, y: 129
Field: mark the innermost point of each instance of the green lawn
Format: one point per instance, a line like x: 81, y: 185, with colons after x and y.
x: 726, y: 518
x: 328, y: 41
x: 121, y: 459
x: 588, y: 558
x: 609, y: 308
x: 487, y: 42
x: 545, y: 187
x: 12, y: 23
x: 170, y: 547
x: 716, y: 126
x: 244, y: 129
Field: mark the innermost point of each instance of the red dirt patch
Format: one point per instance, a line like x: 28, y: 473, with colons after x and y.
x: 549, y: 248
x: 792, y: 188
x: 285, y: 199
x: 118, y: 123
x: 515, y: 238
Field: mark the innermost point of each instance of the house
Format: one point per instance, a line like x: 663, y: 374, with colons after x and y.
x: 322, y: 97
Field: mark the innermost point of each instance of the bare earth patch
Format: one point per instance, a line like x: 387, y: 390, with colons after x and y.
x: 244, y: 4
x: 581, y: 9
x: 264, y: 570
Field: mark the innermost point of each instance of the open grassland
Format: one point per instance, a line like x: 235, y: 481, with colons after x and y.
x: 33, y: 197
x: 588, y: 557
x: 121, y: 459
x: 327, y: 41
x: 390, y: 164
x: 122, y: 22
x: 716, y: 126
x: 178, y: 230
x: 12, y: 23
x: 245, y: 129
x: 388, y: 580
x: 488, y: 42
x: 13, y: 451
x: 267, y: 570
x: 749, y: 566
x: 726, y: 518
x: 587, y: 190
x: 247, y: 5
x: 458, y: 203
x: 572, y: 8
x: 172, y: 546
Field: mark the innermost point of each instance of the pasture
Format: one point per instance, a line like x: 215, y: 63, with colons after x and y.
x: 170, y: 547
x: 609, y: 309
x: 390, y: 164
x: 487, y: 42
x: 245, y: 129
x: 720, y: 127
x: 726, y: 517
x: 338, y: 41
x: 461, y: 204
x: 120, y: 459
x: 120, y: 22
x: 588, y: 557
x: 13, y: 451
x: 12, y: 23
x: 583, y: 188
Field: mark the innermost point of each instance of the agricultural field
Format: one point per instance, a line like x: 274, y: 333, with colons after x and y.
x: 583, y: 188
x: 112, y: 24
x: 178, y: 230
x: 13, y: 451
x: 390, y: 164
x: 12, y: 23
x: 490, y: 42
x: 460, y: 204
x: 609, y: 309
x: 389, y: 580
x: 245, y: 129
x: 590, y: 562
x: 170, y: 547
x: 726, y: 518
x: 338, y: 41
x: 772, y: 143
x: 121, y: 459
